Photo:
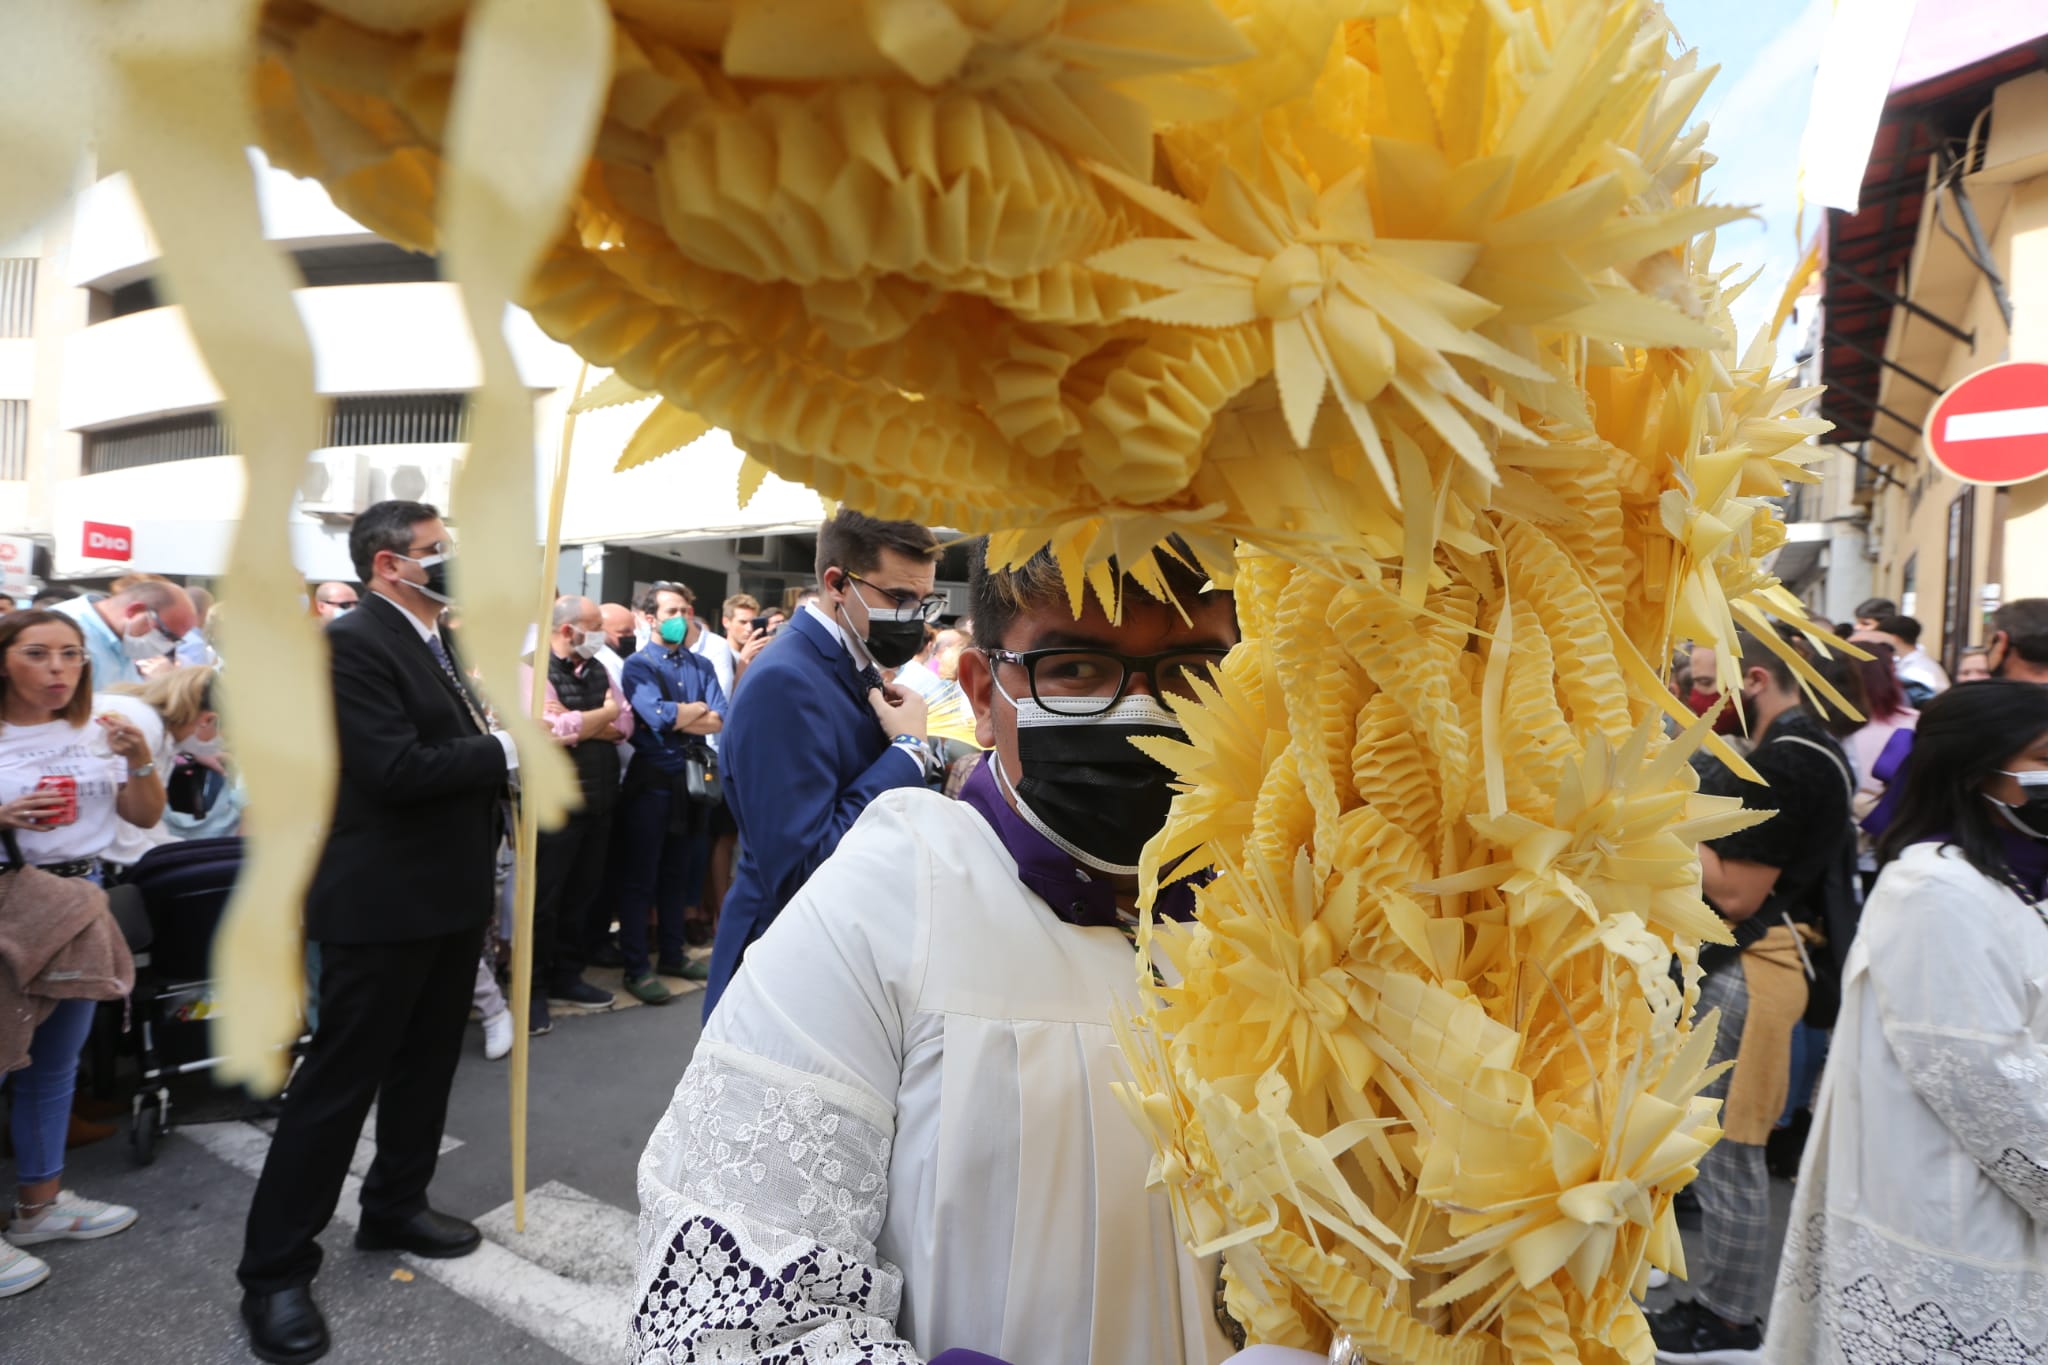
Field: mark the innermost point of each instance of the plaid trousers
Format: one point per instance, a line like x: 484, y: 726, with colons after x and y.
x: 1733, y: 1271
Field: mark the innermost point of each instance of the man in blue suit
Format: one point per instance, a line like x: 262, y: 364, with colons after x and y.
x: 814, y: 733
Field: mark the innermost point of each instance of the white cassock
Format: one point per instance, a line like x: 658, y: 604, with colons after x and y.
x: 898, y: 1136
x: 1920, y: 1229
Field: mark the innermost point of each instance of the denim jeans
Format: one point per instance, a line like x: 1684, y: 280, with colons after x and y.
x: 42, y: 1091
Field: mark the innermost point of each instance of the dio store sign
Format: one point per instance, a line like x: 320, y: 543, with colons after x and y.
x: 104, y: 540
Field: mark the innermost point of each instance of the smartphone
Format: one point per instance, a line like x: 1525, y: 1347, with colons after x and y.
x: 67, y: 787
x: 758, y: 624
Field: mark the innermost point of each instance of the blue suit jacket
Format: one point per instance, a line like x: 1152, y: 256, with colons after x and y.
x: 800, y: 757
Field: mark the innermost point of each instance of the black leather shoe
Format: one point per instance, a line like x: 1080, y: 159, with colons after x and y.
x: 285, y: 1328
x: 437, y: 1236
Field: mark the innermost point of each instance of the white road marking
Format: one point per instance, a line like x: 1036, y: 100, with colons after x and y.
x: 366, y: 1145
x: 581, y: 1316
x: 1987, y: 426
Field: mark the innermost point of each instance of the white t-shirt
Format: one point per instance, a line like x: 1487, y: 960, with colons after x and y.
x: 28, y: 753
x: 130, y: 842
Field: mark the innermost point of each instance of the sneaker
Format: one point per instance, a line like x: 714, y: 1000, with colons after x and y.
x: 574, y: 990
x: 648, y: 990
x: 498, y: 1035
x: 70, y: 1218
x: 1688, y: 1334
x: 19, y: 1271
x: 538, y: 1021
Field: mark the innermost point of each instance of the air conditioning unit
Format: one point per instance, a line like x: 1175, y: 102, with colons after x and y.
x: 753, y: 550
x: 420, y: 480
x: 336, y: 482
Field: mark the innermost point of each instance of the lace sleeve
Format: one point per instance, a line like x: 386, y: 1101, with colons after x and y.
x: 1954, y: 998
x: 761, y: 1194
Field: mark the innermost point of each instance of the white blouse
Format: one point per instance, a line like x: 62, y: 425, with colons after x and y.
x: 898, y: 1135
x: 1920, y: 1228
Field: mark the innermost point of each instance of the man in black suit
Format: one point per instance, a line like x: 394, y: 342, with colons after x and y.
x: 398, y: 906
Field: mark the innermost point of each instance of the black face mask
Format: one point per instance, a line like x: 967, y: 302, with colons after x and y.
x: 2031, y: 814
x: 891, y: 643
x: 1085, y: 786
x: 436, y: 585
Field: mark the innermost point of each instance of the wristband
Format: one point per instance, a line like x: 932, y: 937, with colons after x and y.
x: 144, y: 771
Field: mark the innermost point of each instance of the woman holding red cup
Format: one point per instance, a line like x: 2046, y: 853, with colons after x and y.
x: 66, y: 777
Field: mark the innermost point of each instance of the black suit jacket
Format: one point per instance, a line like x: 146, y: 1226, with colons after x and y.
x: 412, y: 851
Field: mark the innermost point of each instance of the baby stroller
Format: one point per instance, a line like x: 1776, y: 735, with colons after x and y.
x: 184, y: 889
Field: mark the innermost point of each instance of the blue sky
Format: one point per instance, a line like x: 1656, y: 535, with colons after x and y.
x: 1767, y: 51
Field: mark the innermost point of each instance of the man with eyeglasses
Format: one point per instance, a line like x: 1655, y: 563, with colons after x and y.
x: 816, y: 734
x: 929, y: 1031
x: 398, y: 905
x: 140, y: 623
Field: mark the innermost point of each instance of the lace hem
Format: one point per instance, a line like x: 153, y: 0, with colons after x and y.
x: 1989, y: 1093
x: 1848, y: 1293
x: 709, y: 1299
x: 761, y: 1194
x: 792, y: 1159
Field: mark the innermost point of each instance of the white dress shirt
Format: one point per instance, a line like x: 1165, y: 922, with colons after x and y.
x: 858, y: 652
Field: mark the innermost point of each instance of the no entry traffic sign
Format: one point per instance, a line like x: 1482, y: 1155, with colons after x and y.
x: 1993, y: 427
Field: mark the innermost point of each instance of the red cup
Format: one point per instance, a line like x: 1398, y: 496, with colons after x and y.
x: 68, y: 788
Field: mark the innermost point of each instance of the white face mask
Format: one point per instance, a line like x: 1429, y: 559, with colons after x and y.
x: 192, y: 746
x: 588, y: 642
x: 152, y: 645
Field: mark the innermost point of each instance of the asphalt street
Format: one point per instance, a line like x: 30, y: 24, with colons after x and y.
x: 165, y: 1290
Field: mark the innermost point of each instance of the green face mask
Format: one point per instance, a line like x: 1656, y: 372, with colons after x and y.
x: 674, y: 629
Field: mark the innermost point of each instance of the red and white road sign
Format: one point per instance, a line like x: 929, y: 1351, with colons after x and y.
x: 1993, y: 427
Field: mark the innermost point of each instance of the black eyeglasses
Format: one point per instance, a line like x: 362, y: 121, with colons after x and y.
x: 930, y: 608
x: 1087, y: 682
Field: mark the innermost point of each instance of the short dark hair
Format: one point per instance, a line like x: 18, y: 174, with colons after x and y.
x: 1876, y: 608
x: 1754, y: 654
x: 1964, y: 736
x: 854, y: 541
x: 385, y: 526
x: 650, y: 601
x: 997, y: 597
x: 1904, y: 627
x: 2025, y: 624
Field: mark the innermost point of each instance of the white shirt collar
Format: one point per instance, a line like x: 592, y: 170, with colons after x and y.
x: 847, y: 641
x: 426, y: 632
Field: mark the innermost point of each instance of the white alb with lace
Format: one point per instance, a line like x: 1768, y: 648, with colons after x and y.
x: 1920, y: 1229
x: 898, y: 1134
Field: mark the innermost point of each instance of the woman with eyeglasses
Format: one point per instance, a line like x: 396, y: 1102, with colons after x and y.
x: 66, y: 778
x: 1920, y: 1231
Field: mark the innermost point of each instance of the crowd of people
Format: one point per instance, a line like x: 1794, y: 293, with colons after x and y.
x: 1905, y: 856
x: 913, y: 944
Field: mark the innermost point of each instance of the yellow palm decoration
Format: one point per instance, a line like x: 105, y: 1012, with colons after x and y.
x: 1394, y: 311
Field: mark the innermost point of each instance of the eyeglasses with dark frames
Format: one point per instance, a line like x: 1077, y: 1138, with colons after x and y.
x: 1087, y: 682
x: 930, y: 608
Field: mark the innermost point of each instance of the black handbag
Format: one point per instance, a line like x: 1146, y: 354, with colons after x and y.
x: 700, y: 779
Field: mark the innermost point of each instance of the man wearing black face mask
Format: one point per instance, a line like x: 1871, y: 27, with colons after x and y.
x: 933, y: 1016
x: 1761, y: 880
x: 398, y: 905
x: 815, y: 734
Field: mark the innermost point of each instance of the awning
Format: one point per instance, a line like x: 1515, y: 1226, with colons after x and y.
x: 176, y: 518
x: 692, y: 494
